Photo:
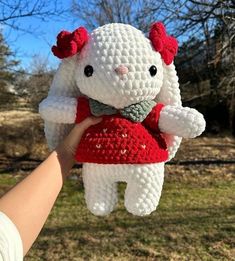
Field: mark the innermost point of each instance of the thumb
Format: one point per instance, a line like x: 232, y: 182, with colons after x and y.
x: 87, y: 123
x: 71, y: 141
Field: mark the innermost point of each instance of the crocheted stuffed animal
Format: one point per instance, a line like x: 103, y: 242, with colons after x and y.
x: 130, y: 80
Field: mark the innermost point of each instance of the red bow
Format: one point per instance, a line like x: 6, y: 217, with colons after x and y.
x: 166, y: 45
x: 69, y: 44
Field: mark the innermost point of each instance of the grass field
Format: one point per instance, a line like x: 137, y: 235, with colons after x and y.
x: 194, y: 221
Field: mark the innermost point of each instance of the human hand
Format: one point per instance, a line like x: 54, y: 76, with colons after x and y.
x: 71, y: 142
x: 67, y: 148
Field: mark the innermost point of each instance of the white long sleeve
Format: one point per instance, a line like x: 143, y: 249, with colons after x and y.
x: 11, y: 248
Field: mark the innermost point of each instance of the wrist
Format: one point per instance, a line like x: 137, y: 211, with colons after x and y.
x: 66, y: 160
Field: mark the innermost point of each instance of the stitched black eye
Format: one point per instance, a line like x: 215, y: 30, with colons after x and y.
x: 88, y: 71
x: 153, y: 70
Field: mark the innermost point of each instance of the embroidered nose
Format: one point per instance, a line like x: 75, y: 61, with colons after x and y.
x: 121, y: 70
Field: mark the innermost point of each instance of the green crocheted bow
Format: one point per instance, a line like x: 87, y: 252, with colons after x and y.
x: 136, y: 112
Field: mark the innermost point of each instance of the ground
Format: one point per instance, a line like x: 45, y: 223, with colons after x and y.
x: 194, y: 220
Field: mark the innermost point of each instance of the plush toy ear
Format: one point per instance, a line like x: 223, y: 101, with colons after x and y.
x: 63, y: 84
x: 170, y: 95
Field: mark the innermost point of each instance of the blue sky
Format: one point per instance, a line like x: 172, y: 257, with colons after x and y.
x: 27, y: 45
x: 39, y: 43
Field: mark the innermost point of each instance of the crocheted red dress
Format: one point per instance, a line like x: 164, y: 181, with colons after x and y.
x: 117, y: 140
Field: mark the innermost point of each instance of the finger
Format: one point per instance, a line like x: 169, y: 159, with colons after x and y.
x: 89, y: 122
x: 74, y: 137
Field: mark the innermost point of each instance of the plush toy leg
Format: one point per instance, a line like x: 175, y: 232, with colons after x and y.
x: 100, y: 190
x: 144, y: 188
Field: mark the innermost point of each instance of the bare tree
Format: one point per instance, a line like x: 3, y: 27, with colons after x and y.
x: 212, y: 56
x: 203, y: 19
x: 205, y: 29
x: 12, y: 11
x: 139, y: 13
x: 6, y: 76
x: 34, y: 86
x: 185, y: 18
x: 12, y: 16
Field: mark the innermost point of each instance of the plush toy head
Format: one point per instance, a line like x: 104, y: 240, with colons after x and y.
x: 117, y: 65
x: 126, y: 68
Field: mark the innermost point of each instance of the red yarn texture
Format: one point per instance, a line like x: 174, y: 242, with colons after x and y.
x: 166, y: 45
x: 83, y: 109
x: 117, y: 140
x: 68, y: 44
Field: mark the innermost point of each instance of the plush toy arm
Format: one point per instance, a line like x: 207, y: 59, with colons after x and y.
x: 59, y: 109
x: 181, y: 121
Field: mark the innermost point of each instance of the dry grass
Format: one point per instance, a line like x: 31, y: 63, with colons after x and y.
x: 20, y: 129
x: 21, y: 134
x: 194, y: 221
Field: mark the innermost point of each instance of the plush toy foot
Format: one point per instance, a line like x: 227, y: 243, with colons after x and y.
x: 101, y: 199
x: 144, y: 190
x: 100, y: 194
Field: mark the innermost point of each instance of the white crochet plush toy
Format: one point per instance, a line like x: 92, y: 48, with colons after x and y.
x: 128, y: 79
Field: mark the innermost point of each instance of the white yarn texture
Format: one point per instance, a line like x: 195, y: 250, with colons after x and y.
x: 109, y: 47
x: 143, y: 191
